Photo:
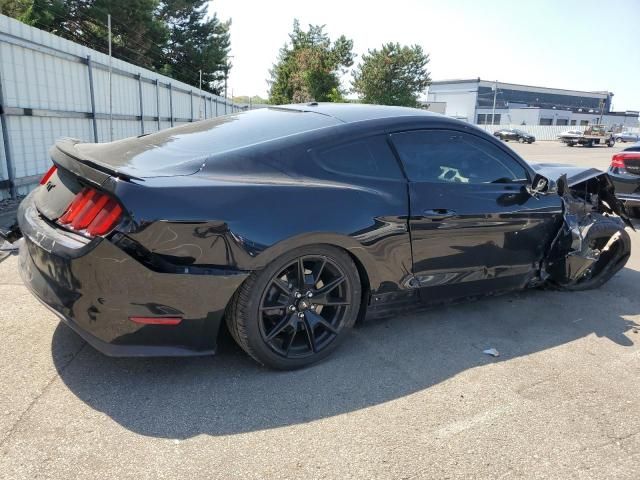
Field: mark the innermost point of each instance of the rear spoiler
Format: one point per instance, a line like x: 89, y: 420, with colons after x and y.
x: 66, y: 156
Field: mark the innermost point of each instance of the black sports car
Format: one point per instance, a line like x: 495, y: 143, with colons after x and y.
x: 515, y: 135
x: 291, y: 223
x: 625, y: 174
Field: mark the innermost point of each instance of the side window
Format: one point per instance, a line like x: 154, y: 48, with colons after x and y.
x: 447, y: 156
x: 367, y: 157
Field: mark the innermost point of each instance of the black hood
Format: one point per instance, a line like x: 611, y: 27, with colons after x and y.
x: 575, y: 175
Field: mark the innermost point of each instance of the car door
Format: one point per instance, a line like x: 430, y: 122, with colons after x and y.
x: 474, y: 228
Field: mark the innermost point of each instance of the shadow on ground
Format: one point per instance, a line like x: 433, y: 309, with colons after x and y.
x: 380, y: 362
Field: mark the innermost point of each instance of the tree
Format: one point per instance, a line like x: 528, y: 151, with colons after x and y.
x: 393, y: 75
x: 195, y: 43
x: 309, y: 65
x: 173, y: 37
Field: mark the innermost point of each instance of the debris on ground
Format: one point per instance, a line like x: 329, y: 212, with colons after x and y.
x: 491, y: 351
x: 10, y: 203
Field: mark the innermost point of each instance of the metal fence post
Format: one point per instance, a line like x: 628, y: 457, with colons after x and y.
x: 141, y: 104
x: 158, y: 102
x: 93, y: 100
x: 11, y: 173
x: 191, y: 99
x: 215, y: 101
x: 170, y: 104
x: 205, y: 108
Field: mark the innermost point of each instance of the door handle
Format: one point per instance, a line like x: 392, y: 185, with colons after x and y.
x: 438, y: 214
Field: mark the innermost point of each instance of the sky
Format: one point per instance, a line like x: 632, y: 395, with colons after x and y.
x: 582, y: 45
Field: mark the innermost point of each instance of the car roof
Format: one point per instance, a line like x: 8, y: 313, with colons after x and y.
x: 633, y: 148
x: 358, y: 112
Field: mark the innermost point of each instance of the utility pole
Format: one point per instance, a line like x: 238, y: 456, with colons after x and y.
x: 110, y: 83
x: 226, y: 74
x: 493, y: 113
x: 201, y: 98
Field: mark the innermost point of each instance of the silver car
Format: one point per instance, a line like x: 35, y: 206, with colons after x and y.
x: 626, y: 137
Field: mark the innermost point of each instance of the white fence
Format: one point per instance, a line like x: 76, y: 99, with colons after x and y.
x: 543, y: 132
x: 51, y: 88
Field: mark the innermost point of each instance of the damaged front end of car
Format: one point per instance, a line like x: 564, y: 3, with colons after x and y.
x: 592, y: 244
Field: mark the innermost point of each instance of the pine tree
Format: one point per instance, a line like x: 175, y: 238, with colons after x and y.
x: 308, y: 67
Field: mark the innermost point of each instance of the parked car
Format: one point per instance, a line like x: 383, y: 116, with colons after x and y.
x: 626, y: 136
x: 624, y: 171
x: 290, y: 223
x: 514, y: 134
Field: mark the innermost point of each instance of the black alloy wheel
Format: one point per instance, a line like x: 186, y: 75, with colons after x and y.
x: 295, y: 311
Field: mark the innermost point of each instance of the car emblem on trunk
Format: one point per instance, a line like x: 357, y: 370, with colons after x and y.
x: 50, y: 186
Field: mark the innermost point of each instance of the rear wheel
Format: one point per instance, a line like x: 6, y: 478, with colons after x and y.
x: 298, y: 309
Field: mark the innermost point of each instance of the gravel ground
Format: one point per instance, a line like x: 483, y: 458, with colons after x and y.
x: 409, y: 397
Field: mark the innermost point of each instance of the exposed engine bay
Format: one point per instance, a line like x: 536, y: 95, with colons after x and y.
x: 592, y: 244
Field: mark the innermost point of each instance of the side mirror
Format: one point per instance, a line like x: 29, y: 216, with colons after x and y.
x: 538, y: 186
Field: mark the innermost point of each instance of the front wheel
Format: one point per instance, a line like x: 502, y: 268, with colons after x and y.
x: 298, y: 309
x: 610, y: 244
x: 521, y: 139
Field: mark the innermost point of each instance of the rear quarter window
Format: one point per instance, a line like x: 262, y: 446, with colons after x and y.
x: 368, y: 157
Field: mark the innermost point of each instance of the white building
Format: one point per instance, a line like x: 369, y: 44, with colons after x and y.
x: 473, y: 100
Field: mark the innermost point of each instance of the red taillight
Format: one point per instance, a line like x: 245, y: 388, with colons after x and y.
x: 47, y: 175
x: 156, y: 320
x: 92, y: 210
x: 76, y: 206
x: 619, y: 159
x: 106, y: 219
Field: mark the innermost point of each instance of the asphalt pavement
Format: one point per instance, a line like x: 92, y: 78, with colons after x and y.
x: 406, y: 397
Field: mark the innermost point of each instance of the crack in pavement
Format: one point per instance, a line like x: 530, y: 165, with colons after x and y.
x: 15, y: 425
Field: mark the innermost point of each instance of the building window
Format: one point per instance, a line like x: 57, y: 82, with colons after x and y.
x: 573, y: 122
x: 485, y: 119
x: 546, y: 121
x: 562, y: 121
x: 584, y: 122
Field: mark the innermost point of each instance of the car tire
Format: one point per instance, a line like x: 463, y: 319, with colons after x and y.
x: 619, y: 140
x: 608, y: 264
x: 258, y: 328
x: 521, y: 139
x: 611, y: 142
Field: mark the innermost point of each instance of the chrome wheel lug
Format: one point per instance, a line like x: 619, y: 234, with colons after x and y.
x: 298, y: 295
x: 309, y: 294
x: 312, y: 308
x: 292, y: 308
x: 300, y: 315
